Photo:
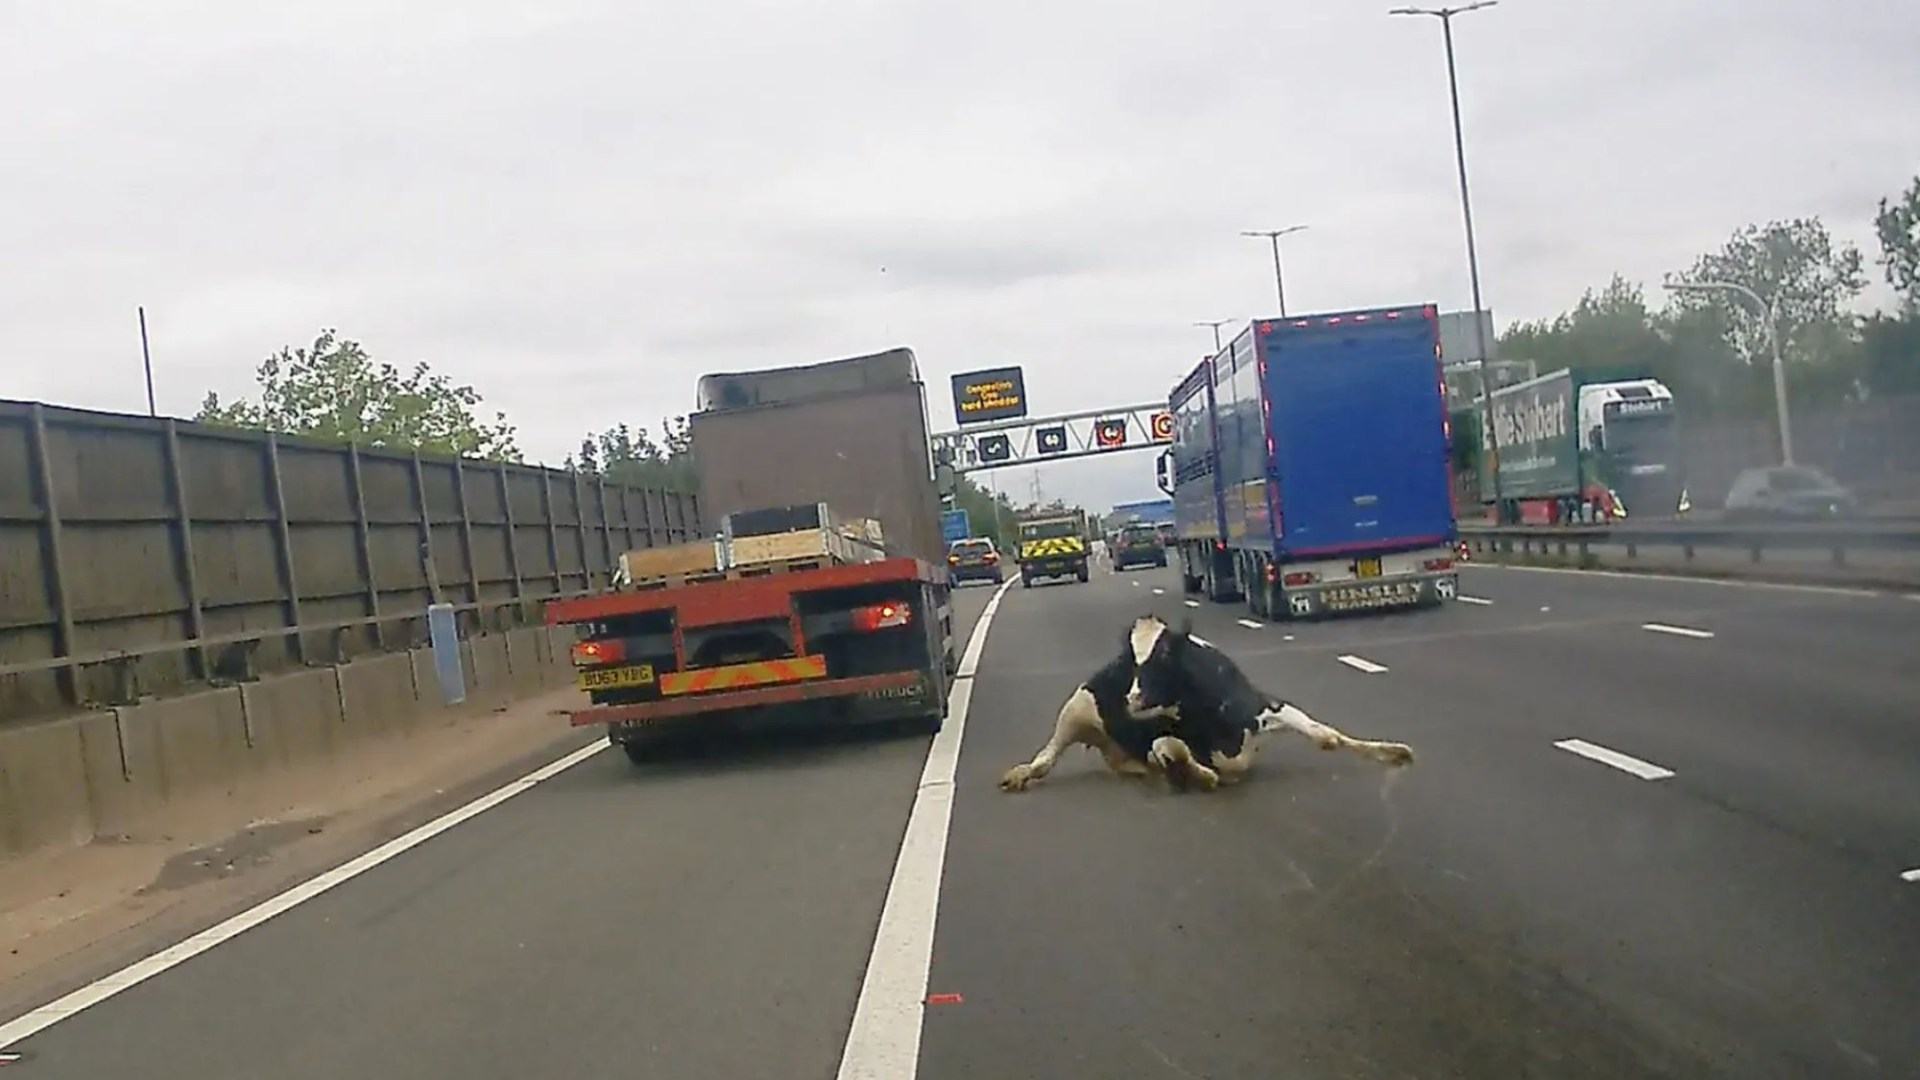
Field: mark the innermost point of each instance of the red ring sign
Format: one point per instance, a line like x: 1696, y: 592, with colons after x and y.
x: 1162, y: 427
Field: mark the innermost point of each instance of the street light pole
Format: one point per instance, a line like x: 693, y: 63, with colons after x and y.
x: 1770, y: 310
x: 1273, y: 236
x: 1216, y: 324
x: 1445, y: 15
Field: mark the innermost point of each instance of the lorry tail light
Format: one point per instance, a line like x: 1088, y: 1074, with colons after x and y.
x: 595, y: 653
x: 882, y: 616
x: 1438, y: 564
x: 1273, y: 573
x: 1300, y: 577
x: 1219, y: 545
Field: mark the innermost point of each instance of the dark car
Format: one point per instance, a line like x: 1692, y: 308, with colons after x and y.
x: 1139, y: 545
x: 974, y: 560
x: 1788, y: 492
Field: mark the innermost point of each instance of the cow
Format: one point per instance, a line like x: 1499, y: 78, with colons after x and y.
x: 1171, y: 703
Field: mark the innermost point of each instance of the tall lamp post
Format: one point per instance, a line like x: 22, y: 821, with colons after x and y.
x: 1445, y: 15
x: 1769, y: 310
x: 1273, y: 237
x: 1215, y: 324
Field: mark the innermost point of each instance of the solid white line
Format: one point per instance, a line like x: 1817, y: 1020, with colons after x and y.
x: 1645, y: 770
x: 1361, y: 663
x: 884, y: 1040
x: 1481, y: 600
x: 1677, y: 631
x: 1781, y: 586
x: 141, y: 970
x: 1250, y: 624
x: 1910, y: 875
x: 1193, y: 603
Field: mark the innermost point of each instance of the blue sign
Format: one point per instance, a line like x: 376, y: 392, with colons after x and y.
x: 954, y: 525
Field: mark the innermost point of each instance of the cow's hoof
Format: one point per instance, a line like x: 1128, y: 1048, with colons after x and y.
x: 1203, y: 778
x: 1017, y: 778
x: 1393, y: 753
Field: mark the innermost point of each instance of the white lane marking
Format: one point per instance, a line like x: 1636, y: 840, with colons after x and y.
x: 1361, y: 663
x: 1546, y: 607
x: 1193, y: 603
x: 141, y: 970
x: 1480, y: 600
x: 1135, y: 584
x: 1910, y: 875
x: 1250, y: 624
x: 884, y: 1040
x: 1645, y: 770
x: 1781, y: 586
x: 1159, y: 592
x: 1677, y: 631
x: 1288, y: 637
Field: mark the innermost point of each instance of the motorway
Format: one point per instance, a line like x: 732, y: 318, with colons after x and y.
x: 1707, y: 883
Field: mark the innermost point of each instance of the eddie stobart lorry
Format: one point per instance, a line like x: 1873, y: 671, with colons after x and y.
x: 1309, y: 467
x: 825, y: 595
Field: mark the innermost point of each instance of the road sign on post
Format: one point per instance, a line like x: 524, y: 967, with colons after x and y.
x: 955, y: 525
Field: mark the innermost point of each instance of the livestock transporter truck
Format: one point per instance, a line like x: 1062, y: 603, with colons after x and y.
x: 1309, y: 468
x: 824, y: 594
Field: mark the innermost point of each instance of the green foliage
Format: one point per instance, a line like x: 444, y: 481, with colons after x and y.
x: 980, y: 504
x: 628, y: 455
x: 1796, y: 266
x: 1898, y: 225
x: 334, y: 390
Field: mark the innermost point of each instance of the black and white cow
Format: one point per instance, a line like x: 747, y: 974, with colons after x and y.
x: 1175, y: 704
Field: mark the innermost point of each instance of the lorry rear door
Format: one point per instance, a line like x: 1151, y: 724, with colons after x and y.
x: 1357, y: 417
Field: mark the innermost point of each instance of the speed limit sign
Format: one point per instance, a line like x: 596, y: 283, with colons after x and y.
x: 1163, y: 427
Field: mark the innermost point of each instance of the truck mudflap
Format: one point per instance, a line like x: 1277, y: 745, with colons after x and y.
x: 1410, y: 590
x: 895, y: 693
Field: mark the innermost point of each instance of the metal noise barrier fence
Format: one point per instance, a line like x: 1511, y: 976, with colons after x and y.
x: 141, y: 555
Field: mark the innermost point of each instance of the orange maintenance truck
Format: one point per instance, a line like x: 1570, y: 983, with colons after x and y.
x: 824, y: 594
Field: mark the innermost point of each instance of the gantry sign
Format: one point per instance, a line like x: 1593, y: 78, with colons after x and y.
x: 1025, y: 440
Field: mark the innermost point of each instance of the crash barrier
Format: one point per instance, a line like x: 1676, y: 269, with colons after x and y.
x: 1838, y: 539
x: 114, y: 772
x: 143, y: 555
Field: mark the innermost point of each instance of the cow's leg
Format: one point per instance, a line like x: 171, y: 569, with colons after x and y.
x: 1079, y: 725
x: 1232, y: 767
x: 1172, y: 756
x: 1286, y: 717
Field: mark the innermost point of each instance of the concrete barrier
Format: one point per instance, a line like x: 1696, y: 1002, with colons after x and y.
x: 491, y: 679
x: 151, y: 753
x: 294, y: 717
x: 527, y: 658
x: 559, y: 666
x: 376, y: 695
x: 43, y: 787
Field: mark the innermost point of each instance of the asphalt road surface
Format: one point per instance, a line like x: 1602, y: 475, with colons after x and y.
x: 1656, y: 828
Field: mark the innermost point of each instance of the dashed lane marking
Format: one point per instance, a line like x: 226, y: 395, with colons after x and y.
x: 1193, y: 603
x: 1361, y: 663
x: 1626, y: 763
x: 1677, y: 631
x: 1480, y: 600
x: 1159, y: 592
x: 1910, y: 875
x: 1250, y: 624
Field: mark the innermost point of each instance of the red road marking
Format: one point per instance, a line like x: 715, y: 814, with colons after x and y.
x: 945, y: 999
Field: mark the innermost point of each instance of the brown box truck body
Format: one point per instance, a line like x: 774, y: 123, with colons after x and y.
x: 848, y: 433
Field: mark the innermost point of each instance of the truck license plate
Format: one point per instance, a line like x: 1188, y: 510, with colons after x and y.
x: 1366, y: 568
x: 617, y: 678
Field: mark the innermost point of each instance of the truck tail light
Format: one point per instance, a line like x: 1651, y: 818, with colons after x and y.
x: 1300, y: 577
x: 596, y: 653
x: 1438, y: 564
x: 882, y: 616
x: 1273, y: 573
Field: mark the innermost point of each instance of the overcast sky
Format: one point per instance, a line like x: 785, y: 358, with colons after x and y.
x: 580, y: 207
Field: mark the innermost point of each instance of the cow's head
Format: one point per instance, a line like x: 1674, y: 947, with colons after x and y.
x: 1157, y: 651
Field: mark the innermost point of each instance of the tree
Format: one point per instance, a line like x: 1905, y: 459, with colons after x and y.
x: 1796, y: 266
x: 629, y: 455
x: 1898, y: 225
x: 334, y: 390
x: 980, y: 506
